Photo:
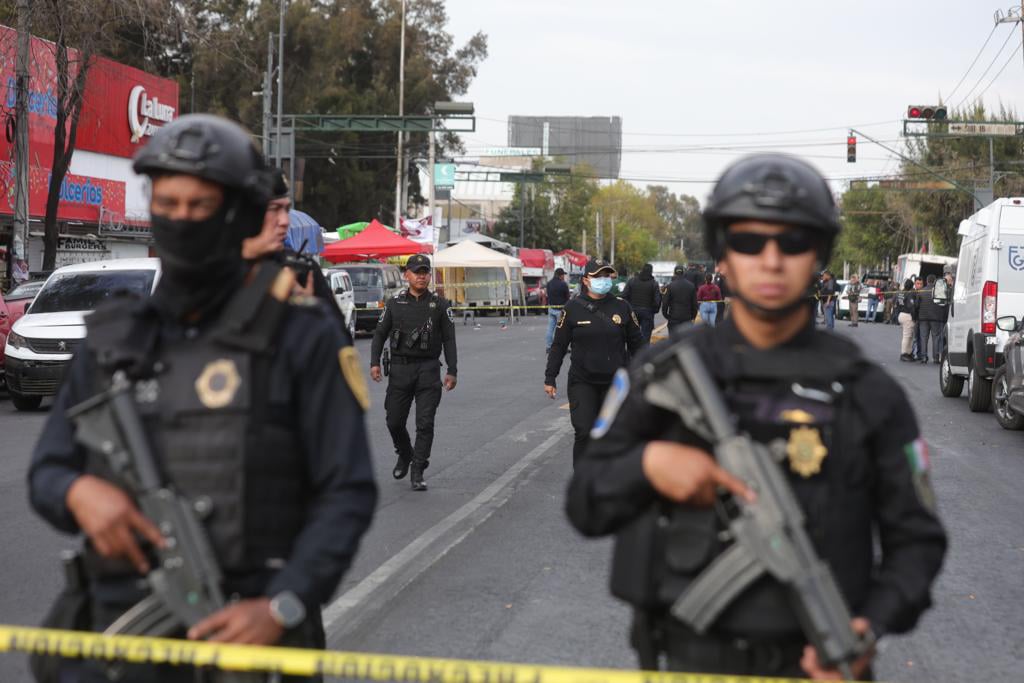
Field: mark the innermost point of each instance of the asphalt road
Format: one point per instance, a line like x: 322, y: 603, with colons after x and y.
x: 484, y: 564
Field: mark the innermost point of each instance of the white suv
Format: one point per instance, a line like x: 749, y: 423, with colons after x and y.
x: 43, y: 341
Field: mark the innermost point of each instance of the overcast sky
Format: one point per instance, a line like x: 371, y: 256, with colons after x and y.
x: 734, y: 74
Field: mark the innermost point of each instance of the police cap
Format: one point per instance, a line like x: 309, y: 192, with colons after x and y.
x: 418, y: 263
x: 596, y: 266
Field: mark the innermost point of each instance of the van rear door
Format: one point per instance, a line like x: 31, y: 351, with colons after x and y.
x: 1010, y: 296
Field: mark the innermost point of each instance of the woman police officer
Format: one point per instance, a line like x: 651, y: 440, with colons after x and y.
x: 603, y: 333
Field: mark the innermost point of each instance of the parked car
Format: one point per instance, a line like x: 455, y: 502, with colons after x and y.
x: 5, y: 329
x: 43, y: 341
x: 989, y: 284
x: 373, y: 284
x: 536, y: 294
x: 1008, y: 382
x: 344, y: 296
x: 843, y: 309
x: 19, y: 298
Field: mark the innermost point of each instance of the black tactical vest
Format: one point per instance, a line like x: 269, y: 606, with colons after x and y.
x: 802, y: 397
x: 220, y: 432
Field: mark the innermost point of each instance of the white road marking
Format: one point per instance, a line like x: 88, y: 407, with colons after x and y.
x: 363, y: 600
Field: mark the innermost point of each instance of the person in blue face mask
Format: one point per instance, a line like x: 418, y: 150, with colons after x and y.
x: 602, y: 333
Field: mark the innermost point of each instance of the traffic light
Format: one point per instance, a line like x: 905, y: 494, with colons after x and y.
x: 927, y: 112
x: 851, y: 148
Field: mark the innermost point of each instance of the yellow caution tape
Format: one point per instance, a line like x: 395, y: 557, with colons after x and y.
x: 301, y: 662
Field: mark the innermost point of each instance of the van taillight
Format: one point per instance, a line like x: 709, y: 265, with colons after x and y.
x: 988, y: 307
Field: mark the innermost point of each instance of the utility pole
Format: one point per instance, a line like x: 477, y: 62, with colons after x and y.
x: 21, y: 151
x: 431, y: 191
x: 598, y: 237
x: 268, y: 96
x: 401, y: 112
x: 612, y: 259
x: 522, y: 214
x: 280, y: 80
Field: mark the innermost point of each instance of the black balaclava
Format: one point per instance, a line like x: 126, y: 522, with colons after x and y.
x: 201, y: 261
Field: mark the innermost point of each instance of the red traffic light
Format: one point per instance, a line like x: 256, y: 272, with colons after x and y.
x: 914, y: 113
x: 851, y: 148
x: 851, y: 140
x: 928, y: 112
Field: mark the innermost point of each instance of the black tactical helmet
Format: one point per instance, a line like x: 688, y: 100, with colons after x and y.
x: 212, y: 148
x: 775, y: 188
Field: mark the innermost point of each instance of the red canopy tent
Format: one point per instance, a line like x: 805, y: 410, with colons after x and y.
x: 575, y: 257
x: 375, y: 241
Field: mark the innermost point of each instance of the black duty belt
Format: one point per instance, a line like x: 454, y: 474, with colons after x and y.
x: 409, y: 360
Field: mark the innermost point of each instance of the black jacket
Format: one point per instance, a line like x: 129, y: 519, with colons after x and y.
x: 416, y: 328
x: 868, y: 481
x: 643, y: 291
x: 603, y: 335
x: 928, y: 310
x: 558, y: 292
x: 680, y: 302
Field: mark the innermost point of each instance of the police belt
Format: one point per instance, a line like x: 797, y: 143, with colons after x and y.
x: 409, y: 360
x: 712, y: 650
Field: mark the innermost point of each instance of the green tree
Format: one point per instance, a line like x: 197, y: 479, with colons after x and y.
x: 682, y: 214
x: 639, y: 228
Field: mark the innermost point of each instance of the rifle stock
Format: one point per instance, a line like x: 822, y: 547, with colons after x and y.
x: 768, y: 534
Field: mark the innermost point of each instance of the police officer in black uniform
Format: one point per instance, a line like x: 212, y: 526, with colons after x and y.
x: 603, y: 333
x: 854, y: 455
x: 417, y: 324
x: 251, y: 402
x: 270, y: 244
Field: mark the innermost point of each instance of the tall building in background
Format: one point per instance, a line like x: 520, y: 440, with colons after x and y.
x: 592, y: 140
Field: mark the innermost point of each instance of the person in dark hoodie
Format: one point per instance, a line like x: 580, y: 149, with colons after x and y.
x: 679, y: 305
x: 644, y: 294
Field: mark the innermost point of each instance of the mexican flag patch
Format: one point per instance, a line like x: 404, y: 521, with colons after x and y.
x: 917, y: 457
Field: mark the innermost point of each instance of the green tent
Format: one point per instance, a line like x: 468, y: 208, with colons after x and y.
x: 353, y: 229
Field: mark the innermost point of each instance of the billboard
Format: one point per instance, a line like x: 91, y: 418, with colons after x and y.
x: 592, y: 140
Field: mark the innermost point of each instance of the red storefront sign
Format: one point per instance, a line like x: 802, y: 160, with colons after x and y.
x: 120, y: 102
x: 122, y: 106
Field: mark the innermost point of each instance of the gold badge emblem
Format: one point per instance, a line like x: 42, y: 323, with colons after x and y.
x: 797, y: 416
x: 805, y: 451
x: 217, y: 385
x: 617, y: 319
x: 352, y: 371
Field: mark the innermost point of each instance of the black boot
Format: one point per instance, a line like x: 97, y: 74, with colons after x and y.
x: 417, y: 478
x: 401, y: 468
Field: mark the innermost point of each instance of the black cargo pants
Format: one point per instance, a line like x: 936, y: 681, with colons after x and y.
x: 419, y: 380
x: 585, y: 402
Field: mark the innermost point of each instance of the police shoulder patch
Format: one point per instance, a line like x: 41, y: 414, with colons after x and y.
x: 613, y: 401
x: 352, y: 371
x: 451, y: 314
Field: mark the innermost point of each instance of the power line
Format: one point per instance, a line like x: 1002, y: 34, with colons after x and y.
x: 987, y: 69
x: 976, y: 57
x: 1000, y: 73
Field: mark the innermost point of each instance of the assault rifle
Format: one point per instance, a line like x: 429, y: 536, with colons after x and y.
x: 185, y: 584
x: 768, y: 534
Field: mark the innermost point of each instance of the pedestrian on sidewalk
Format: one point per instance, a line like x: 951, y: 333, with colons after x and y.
x: 723, y: 289
x: 679, y: 305
x: 853, y: 294
x: 558, y: 296
x: 918, y: 286
x: 602, y: 333
x: 418, y: 325
x: 708, y: 297
x: 828, y: 299
x: 852, y: 457
x: 872, y: 313
x: 904, y: 309
x: 643, y: 293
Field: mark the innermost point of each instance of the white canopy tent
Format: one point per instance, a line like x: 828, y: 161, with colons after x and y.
x: 484, y: 240
x: 475, y: 276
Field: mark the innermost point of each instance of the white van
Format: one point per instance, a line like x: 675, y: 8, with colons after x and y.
x: 989, y: 283
x: 43, y: 341
x: 344, y: 295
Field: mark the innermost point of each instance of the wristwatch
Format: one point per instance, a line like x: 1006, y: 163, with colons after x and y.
x: 287, y: 610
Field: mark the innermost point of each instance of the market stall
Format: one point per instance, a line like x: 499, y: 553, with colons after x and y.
x: 473, y: 276
x: 376, y: 242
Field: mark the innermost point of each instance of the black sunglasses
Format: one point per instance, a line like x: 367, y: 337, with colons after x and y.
x: 791, y: 243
